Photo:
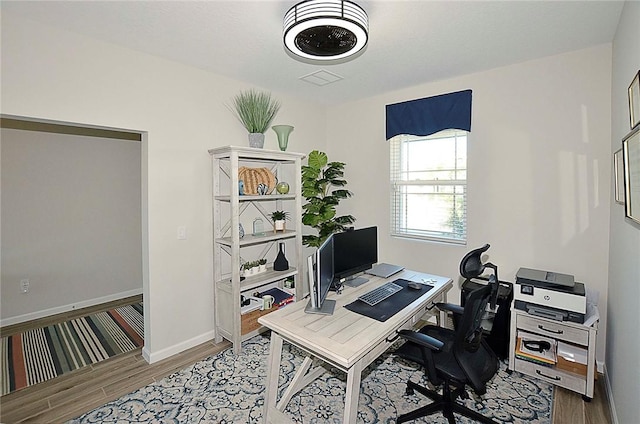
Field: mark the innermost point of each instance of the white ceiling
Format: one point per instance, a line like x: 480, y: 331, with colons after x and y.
x: 411, y: 42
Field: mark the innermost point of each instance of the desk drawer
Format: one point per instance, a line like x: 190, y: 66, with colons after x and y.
x: 552, y: 375
x: 392, y: 337
x: 559, y: 330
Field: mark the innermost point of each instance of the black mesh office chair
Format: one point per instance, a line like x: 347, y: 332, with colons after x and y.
x: 456, y: 358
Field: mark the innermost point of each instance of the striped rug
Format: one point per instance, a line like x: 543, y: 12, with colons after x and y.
x: 41, y: 354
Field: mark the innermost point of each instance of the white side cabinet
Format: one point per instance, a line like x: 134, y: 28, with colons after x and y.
x: 231, y: 248
x: 578, y: 336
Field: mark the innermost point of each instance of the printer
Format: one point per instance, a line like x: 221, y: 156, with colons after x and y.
x: 550, y: 295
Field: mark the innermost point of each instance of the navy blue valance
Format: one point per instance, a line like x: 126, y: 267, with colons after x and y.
x: 429, y: 115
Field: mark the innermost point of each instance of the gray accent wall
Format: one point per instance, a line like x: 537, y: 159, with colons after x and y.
x: 71, y: 221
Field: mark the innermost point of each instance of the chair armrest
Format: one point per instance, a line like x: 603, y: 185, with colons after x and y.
x: 421, y: 339
x: 450, y: 307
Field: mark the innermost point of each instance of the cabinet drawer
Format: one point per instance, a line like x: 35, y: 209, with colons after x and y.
x: 552, y: 375
x: 560, y: 331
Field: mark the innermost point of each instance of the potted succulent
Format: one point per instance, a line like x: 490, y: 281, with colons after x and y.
x: 279, y: 220
x: 250, y: 268
x: 262, y: 265
x: 255, y: 110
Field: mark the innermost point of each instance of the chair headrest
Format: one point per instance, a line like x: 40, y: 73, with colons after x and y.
x: 471, y: 265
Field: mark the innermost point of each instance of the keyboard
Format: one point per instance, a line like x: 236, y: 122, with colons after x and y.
x: 379, y: 294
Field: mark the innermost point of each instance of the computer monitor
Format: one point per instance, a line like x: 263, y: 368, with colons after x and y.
x: 355, y: 251
x: 320, y: 279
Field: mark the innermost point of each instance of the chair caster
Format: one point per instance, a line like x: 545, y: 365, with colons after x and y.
x: 509, y: 371
x: 409, y: 391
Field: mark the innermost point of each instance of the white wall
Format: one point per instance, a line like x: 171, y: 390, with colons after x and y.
x: 623, y: 341
x: 538, y: 170
x: 71, y: 220
x: 57, y: 75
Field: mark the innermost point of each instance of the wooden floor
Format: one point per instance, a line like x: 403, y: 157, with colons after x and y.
x: 569, y: 408
x: 83, y: 390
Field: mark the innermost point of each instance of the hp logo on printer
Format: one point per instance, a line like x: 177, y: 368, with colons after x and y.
x: 546, y: 297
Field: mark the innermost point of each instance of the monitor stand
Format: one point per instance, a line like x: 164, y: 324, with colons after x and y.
x: 326, y: 309
x: 356, y: 282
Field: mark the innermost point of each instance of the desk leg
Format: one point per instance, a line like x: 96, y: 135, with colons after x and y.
x: 353, y: 394
x: 300, y: 380
x: 441, y: 317
x: 273, y: 374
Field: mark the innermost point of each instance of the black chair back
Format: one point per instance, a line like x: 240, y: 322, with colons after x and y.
x: 469, y: 337
x: 469, y: 332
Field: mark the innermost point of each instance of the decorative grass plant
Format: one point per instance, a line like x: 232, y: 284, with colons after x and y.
x: 255, y: 110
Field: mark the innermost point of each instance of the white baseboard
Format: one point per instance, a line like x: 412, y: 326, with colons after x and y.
x: 152, y: 357
x: 612, y: 406
x: 66, y: 308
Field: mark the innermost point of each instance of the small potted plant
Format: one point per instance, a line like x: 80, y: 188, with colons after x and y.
x: 250, y: 268
x: 255, y: 110
x: 262, y: 265
x: 279, y: 220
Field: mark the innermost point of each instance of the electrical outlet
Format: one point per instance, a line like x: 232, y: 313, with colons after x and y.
x: 24, y: 285
x: 182, y: 232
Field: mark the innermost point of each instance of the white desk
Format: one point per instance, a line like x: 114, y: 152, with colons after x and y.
x: 345, y: 340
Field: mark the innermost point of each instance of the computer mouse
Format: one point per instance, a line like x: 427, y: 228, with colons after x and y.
x: 414, y: 286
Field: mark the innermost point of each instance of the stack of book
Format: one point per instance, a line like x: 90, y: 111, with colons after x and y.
x: 534, y: 348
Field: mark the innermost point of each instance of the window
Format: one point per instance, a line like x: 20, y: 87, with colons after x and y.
x: 429, y: 186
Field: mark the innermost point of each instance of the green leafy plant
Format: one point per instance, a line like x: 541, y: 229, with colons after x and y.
x: 255, y: 110
x: 319, y: 178
x: 279, y: 216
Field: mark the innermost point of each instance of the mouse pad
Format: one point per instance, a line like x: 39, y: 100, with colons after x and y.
x: 391, y: 305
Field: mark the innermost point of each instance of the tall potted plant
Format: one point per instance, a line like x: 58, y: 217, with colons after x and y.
x: 321, y: 182
x: 255, y: 110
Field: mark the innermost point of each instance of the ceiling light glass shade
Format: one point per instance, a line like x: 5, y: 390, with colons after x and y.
x: 325, y: 29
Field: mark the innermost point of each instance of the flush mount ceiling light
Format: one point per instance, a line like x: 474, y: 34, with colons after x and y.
x: 325, y: 29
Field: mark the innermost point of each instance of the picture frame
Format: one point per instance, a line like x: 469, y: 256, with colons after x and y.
x: 631, y: 161
x: 634, y: 101
x: 618, y: 175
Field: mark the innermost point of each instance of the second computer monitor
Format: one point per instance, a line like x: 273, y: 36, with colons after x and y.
x: 355, y: 251
x: 320, y: 279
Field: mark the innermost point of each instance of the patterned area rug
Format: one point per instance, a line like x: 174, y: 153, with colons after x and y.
x: 230, y: 389
x: 44, y: 353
